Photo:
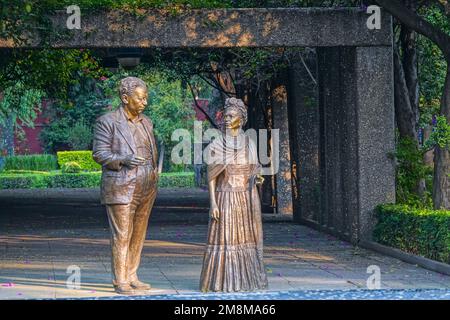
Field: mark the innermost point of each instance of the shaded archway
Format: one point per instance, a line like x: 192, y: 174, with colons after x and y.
x: 345, y: 142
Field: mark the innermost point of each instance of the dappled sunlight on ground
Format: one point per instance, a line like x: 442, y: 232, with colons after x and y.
x: 34, y: 262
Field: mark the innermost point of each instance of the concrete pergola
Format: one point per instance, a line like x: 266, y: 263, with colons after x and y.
x: 340, y: 145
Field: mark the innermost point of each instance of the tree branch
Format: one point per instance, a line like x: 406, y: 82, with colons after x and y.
x: 415, y: 22
x: 200, y: 108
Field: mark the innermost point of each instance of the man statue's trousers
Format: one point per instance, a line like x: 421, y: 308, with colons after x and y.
x: 128, y: 225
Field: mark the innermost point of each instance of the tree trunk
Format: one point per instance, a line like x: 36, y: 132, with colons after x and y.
x: 409, y: 63
x: 405, y: 117
x: 441, y: 182
x: 408, y: 40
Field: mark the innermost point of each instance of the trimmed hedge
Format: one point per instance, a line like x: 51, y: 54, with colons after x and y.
x: 177, y: 179
x: 418, y: 231
x: 34, y: 162
x: 83, y: 158
x: 50, y: 180
x: 71, y: 167
x: 81, y: 180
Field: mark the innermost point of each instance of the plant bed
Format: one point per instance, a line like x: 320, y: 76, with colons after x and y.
x: 421, y: 232
x: 57, y: 179
x: 34, y: 162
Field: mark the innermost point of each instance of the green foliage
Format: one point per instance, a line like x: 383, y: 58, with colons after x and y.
x: 417, y: 231
x: 55, y: 136
x: 81, y: 180
x: 24, y: 181
x: 50, y: 180
x: 168, y: 108
x: 440, y: 135
x: 80, y: 136
x: 50, y: 70
x: 72, y: 120
x: 410, y: 170
x: 30, y: 75
x: 169, y: 104
x: 18, y: 16
x: 432, y: 66
x: 135, y: 4
x: 37, y: 162
x: 83, y: 158
x: 25, y: 172
x: 74, y: 180
x: 20, y: 103
x: 71, y: 167
x: 176, y: 179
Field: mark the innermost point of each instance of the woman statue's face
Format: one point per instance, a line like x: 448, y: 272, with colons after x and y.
x: 232, y: 119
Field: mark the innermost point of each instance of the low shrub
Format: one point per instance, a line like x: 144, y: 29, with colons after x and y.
x: 24, y: 181
x: 24, y: 171
x: 75, y: 180
x: 71, y: 167
x: 35, y: 162
x: 83, y: 158
x: 176, y: 179
x: 81, y: 180
x: 410, y: 171
x: 422, y: 232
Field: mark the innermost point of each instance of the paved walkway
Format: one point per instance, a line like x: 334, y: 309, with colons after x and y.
x: 36, y: 248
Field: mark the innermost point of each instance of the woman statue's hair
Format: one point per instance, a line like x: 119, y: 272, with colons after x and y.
x: 239, y: 105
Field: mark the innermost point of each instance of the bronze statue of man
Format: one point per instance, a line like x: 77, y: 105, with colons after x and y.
x: 124, y: 145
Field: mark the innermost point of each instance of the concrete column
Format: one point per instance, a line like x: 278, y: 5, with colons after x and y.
x: 375, y: 132
x: 304, y: 128
x: 280, y: 121
x: 258, y: 102
x: 356, y: 136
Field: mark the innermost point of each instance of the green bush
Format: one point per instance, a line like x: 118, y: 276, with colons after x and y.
x: 418, y: 231
x: 50, y: 180
x: 24, y: 181
x: 75, y: 180
x: 81, y: 180
x: 410, y: 170
x: 35, y: 162
x: 177, y: 179
x: 24, y: 171
x: 83, y: 158
x: 71, y: 167
x: 80, y: 136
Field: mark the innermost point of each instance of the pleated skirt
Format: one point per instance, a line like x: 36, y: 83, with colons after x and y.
x: 233, y: 259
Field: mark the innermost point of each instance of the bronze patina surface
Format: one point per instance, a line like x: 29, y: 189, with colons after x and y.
x: 233, y: 260
x: 125, y: 146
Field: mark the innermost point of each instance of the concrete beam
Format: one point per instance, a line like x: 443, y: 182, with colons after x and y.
x: 258, y: 27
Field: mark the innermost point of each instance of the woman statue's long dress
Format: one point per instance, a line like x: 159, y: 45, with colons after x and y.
x: 233, y: 259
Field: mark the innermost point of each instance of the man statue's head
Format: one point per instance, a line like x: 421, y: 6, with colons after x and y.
x: 133, y: 93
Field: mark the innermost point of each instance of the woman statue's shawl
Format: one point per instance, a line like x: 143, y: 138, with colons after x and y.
x: 225, y: 150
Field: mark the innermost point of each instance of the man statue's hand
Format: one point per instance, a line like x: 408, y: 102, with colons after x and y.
x: 132, y: 161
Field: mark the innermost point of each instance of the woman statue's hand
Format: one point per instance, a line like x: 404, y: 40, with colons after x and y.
x: 214, y: 212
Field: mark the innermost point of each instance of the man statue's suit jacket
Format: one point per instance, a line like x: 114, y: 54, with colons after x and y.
x: 113, y: 141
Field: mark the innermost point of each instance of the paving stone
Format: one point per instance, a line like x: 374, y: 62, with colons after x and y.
x: 36, y: 249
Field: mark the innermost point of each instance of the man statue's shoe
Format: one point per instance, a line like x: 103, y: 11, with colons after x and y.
x: 139, y: 285
x: 124, y: 289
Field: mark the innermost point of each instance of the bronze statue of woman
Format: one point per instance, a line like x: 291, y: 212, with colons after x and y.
x: 233, y: 260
